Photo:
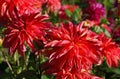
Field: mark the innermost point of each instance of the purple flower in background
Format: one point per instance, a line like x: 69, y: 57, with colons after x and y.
x: 116, y: 3
x: 94, y: 12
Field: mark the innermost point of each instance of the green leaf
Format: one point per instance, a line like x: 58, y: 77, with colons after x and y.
x: 99, y: 29
x: 42, y: 59
x: 114, y: 70
x: 76, y: 16
x: 68, y: 13
x: 106, y: 32
x: 104, y: 21
x: 47, y: 77
x: 44, y: 77
x: 16, y: 56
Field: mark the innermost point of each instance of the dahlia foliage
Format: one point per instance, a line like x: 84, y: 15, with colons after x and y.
x: 59, y: 39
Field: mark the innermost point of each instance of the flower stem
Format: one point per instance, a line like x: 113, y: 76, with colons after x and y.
x: 25, y: 64
x: 6, y: 60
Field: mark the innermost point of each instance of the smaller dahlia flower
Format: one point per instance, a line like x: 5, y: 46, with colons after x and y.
x: 9, y: 8
x: 110, y: 50
x: 53, y: 5
x: 94, y: 12
x: 24, y: 30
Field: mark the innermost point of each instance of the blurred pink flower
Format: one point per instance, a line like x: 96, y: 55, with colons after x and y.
x: 94, y: 12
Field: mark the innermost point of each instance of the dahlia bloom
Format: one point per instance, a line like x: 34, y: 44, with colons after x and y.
x: 9, y: 8
x: 110, y: 50
x: 94, y: 12
x: 53, y: 5
x: 72, y: 47
x: 22, y: 30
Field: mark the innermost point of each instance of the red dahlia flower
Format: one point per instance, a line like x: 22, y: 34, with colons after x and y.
x: 22, y: 30
x: 8, y: 8
x: 72, y: 47
x: 111, y: 51
x: 22, y: 6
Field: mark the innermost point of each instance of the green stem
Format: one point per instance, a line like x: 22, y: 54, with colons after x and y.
x: 10, y: 67
x: 25, y: 65
x: 38, y: 67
